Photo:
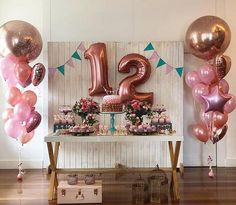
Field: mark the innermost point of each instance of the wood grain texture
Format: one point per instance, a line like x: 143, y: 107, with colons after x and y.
x: 196, y: 188
x: 168, y: 90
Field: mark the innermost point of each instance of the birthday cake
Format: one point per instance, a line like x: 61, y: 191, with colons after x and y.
x: 111, y: 103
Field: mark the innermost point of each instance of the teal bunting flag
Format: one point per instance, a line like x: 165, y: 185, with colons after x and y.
x: 61, y: 69
x: 160, y: 63
x: 149, y: 47
x: 180, y: 71
x: 76, y: 55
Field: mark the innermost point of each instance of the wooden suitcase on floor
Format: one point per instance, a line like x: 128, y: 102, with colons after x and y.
x: 80, y: 193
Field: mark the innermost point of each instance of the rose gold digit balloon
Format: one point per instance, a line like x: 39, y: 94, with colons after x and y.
x: 207, y: 37
x: 99, y: 69
x: 143, y: 71
x: 21, y: 39
x: 222, y: 66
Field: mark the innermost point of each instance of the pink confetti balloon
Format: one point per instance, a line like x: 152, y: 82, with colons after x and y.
x: 33, y: 121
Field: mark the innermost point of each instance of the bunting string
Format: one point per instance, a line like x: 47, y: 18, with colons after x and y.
x: 160, y: 62
x: 69, y: 62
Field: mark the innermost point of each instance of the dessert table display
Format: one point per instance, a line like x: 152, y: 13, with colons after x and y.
x: 109, y: 128
x: 57, y: 139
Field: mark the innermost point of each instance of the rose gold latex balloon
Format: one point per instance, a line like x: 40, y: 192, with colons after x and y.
x: 200, y: 131
x: 127, y: 86
x: 219, y: 119
x: 21, y: 39
x: 222, y: 66
x: 207, y: 37
x: 23, y: 73
x: 97, y: 56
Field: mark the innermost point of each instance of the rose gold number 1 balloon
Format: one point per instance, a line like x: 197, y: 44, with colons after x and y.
x: 143, y: 71
x: 99, y: 70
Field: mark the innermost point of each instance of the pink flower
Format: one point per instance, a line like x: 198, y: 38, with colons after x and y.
x: 136, y: 105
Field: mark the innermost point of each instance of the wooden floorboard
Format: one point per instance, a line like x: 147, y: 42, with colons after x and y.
x: 196, y: 188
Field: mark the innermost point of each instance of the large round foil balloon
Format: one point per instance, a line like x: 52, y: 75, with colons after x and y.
x: 207, y: 37
x: 21, y: 39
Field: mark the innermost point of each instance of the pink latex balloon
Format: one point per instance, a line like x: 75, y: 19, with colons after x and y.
x: 22, y: 111
x: 200, y: 131
x: 192, y: 79
x: 30, y: 97
x: 207, y: 74
x: 33, y: 121
x: 199, y: 90
x: 13, y: 96
x: 219, y: 119
x: 230, y: 105
x: 23, y: 73
x: 224, y: 86
x: 25, y: 136
x: 13, y: 127
x: 7, y: 66
x: 7, y: 114
x: 12, y: 81
x: 206, y: 117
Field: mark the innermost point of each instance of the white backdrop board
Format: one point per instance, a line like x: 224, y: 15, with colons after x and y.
x: 74, y: 84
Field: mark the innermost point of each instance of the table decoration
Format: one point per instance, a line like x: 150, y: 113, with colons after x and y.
x: 135, y: 110
x: 87, y: 109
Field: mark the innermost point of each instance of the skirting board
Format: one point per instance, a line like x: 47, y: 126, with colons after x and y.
x: 231, y: 162
x: 26, y: 164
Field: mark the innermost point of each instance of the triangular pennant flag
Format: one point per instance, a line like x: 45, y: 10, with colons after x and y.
x: 160, y: 63
x: 179, y: 71
x: 76, y: 55
x: 149, y: 47
x: 61, y: 69
x: 169, y: 68
x: 82, y: 47
x: 154, y: 57
x: 70, y: 63
x: 52, y: 71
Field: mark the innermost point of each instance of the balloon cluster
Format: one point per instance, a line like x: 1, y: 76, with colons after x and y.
x: 207, y: 38
x: 20, y: 43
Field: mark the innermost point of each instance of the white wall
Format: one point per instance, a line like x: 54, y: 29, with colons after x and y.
x: 123, y: 20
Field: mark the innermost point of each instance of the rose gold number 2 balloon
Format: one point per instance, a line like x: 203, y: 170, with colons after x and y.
x: 99, y: 70
x: 143, y: 71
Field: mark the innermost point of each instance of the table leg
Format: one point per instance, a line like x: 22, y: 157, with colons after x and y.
x: 174, y: 155
x: 53, y: 164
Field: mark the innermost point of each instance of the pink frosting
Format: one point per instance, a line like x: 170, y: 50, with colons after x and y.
x: 111, y: 99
